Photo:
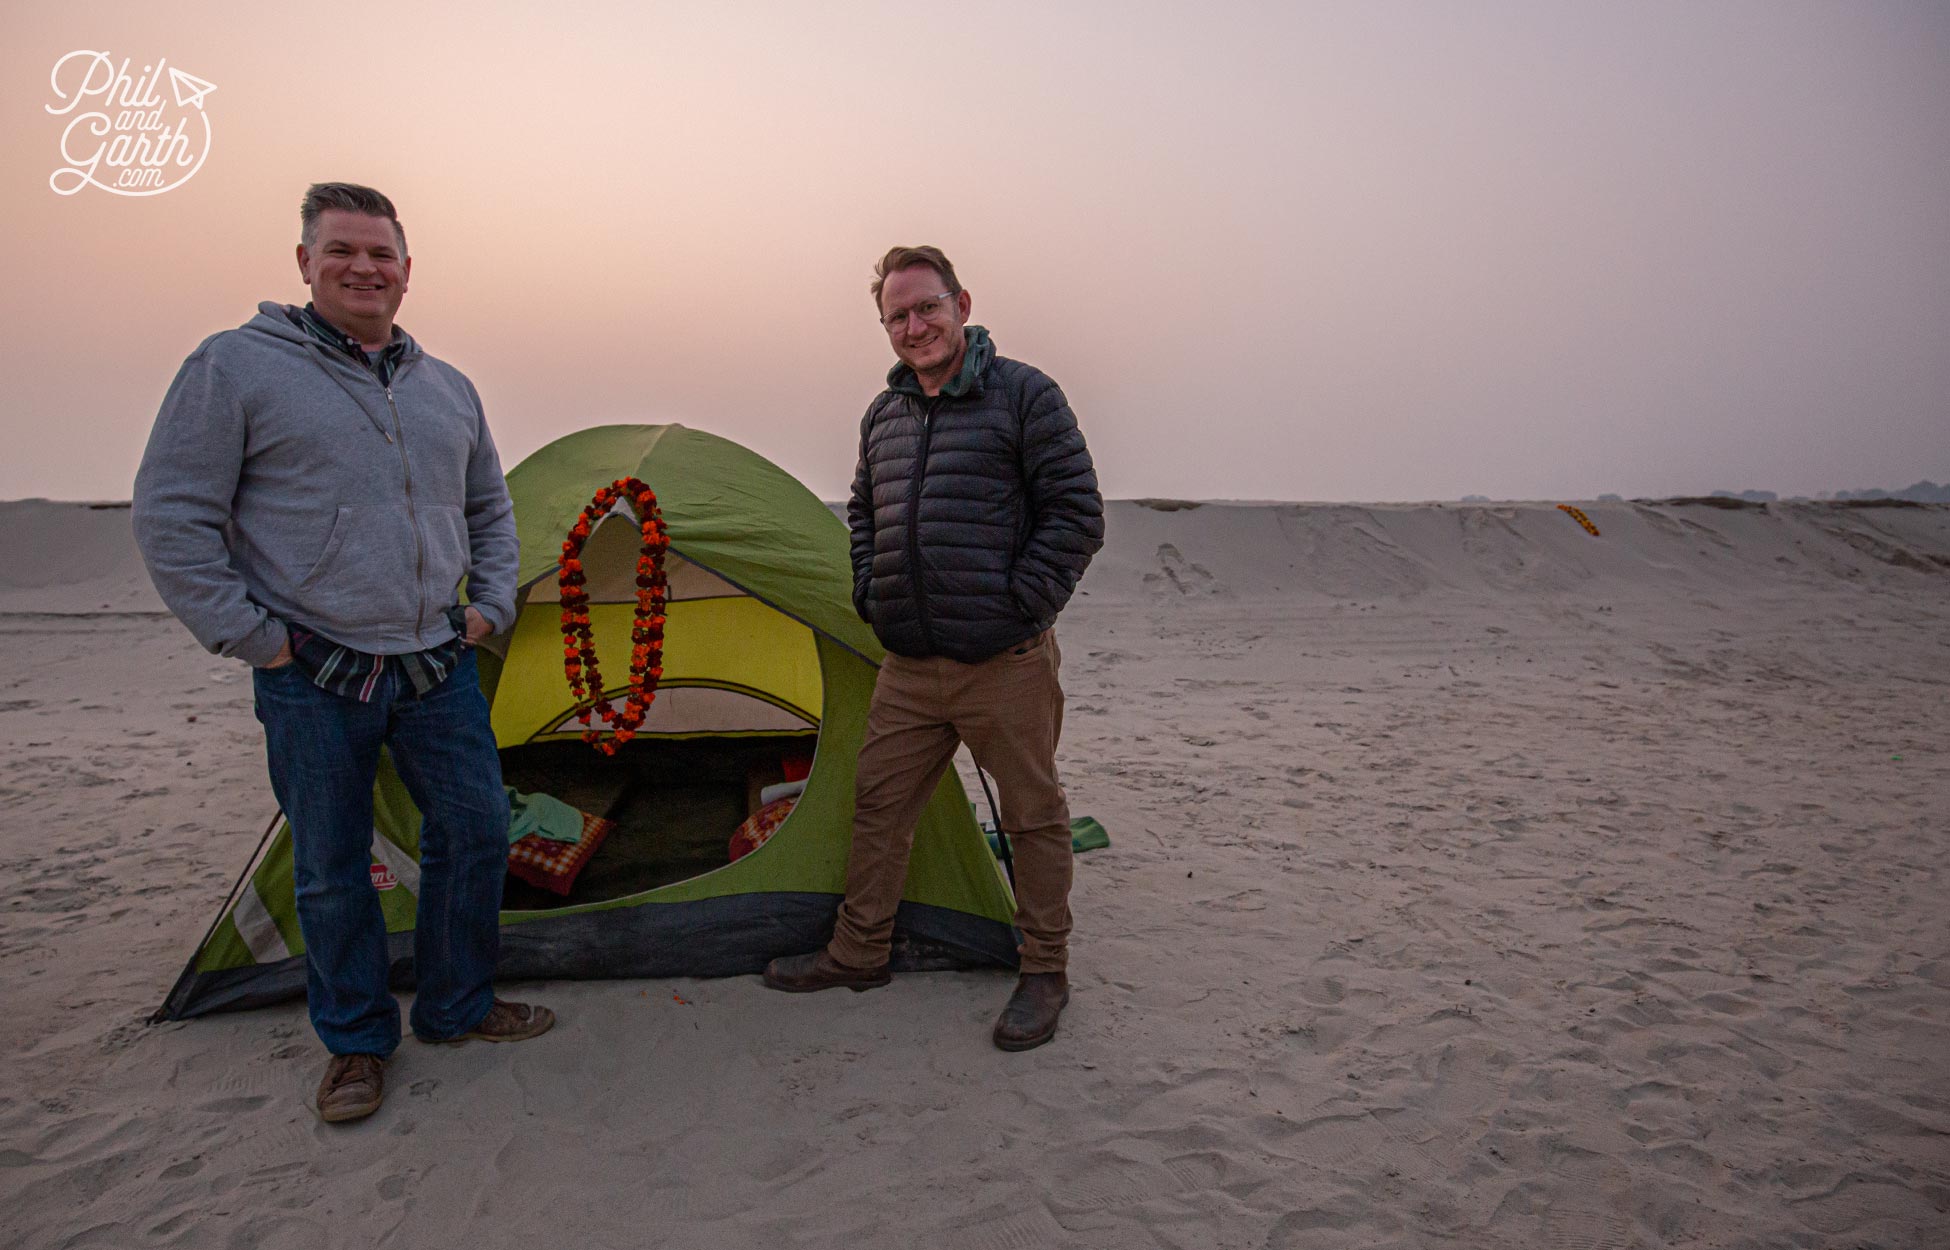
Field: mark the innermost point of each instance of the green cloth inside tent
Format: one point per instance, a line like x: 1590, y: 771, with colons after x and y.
x: 543, y: 815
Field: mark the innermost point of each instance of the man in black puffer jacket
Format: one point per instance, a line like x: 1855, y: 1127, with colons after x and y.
x: 974, y: 512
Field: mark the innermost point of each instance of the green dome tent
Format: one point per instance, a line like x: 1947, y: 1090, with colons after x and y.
x: 764, y: 660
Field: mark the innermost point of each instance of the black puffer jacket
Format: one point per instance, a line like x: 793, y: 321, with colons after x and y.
x: 986, y: 492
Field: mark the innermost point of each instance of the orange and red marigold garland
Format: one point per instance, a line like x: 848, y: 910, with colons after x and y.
x: 646, y: 627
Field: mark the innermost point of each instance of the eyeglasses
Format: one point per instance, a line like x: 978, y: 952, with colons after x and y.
x: 933, y: 308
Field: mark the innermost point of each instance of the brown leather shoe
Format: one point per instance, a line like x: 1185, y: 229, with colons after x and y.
x: 353, y: 1088
x: 802, y: 974
x: 509, y: 1022
x: 1030, y: 1018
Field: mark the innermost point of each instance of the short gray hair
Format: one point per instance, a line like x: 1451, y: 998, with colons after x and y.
x: 352, y: 198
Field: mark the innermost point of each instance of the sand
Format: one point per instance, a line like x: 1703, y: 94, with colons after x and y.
x: 1475, y: 882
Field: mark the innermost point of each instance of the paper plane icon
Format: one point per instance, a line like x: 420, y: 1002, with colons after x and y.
x: 190, y: 89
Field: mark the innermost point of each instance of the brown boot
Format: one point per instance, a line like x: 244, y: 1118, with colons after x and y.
x: 802, y: 974
x: 508, y: 1022
x: 1030, y: 1018
x: 353, y: 1088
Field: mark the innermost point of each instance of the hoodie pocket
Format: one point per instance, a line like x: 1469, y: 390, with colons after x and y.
x: 366, y: 574
x: 334, y: 545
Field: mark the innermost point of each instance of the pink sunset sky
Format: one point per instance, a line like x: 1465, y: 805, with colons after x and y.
x: 1330, y: 251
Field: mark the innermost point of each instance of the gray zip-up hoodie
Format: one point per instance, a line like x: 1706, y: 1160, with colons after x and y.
x: 282, y: 482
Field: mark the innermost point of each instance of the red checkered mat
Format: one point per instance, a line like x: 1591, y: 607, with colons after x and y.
x: 760, y: 826
x: 554, y: 866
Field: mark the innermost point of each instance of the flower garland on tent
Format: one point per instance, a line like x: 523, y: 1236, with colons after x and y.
x: 646, y: 625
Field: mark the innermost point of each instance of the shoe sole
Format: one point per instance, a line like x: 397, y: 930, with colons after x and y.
x: 1027, y: 1043
x: 858, y: 987
x: 358, y: 1111
x: 492, y: 1037
x: 483, y: 1037
x: 488, y: 1037
x: 1031, y: 1043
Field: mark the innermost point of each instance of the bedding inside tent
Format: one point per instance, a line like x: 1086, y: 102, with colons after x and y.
x: 674, y: 804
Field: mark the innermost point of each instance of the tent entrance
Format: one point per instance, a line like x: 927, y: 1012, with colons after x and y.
x: 742, y: 692
x: 675, y: 802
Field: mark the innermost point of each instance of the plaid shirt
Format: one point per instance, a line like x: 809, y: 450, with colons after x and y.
x: 333, y: 666
x: 383, y: 366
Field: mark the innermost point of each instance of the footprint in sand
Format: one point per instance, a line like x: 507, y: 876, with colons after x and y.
x: 1176, y: 573
x: 1323, y: 991
x: 1114, y: 1181
x: 1017, y: 1230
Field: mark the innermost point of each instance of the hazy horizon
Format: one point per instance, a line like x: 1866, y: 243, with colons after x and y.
x: 839, y: 502
x: 1392, y: 252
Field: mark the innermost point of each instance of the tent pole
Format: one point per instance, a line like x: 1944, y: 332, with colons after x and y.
x: 1001, y: 838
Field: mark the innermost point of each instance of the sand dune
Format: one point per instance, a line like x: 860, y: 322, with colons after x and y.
x: 1475, y: 882
x: 72, y: 558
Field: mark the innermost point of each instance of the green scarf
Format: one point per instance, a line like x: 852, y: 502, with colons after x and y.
x: 976, y: 358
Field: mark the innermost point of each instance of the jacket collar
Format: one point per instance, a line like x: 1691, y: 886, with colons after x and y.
x: 384, y: 363
x: 284, y: 321
x: 975, y: 360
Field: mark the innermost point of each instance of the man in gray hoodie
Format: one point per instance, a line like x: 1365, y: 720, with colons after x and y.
x: 314, y: 490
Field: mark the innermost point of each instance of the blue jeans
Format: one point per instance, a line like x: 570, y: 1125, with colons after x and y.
x: 324, y: 756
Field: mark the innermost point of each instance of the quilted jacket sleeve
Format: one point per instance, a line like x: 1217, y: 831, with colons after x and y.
x: 859, y: 521
x: 1067, y: 527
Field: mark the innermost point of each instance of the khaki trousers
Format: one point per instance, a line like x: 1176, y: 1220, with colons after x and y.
x: 1009, y: 710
